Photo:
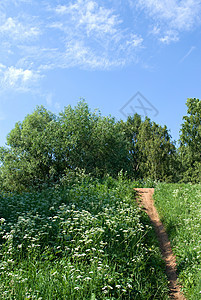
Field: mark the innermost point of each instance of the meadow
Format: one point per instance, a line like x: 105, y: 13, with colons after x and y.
x: 80, y: 239
x: 179, y: 206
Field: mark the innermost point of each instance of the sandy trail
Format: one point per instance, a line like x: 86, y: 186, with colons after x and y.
x: 170, y: 260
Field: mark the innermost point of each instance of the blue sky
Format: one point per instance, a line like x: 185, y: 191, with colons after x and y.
x: 55, y: 52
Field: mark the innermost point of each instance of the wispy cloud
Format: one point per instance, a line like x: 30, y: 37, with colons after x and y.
x: 2, y: 68
x: 18, y: 79
x: 89, y: 34
x: 171, y: 17
x: 12, y: 28
x: 82, y: 33
x: 187, y: 54
x: 91, y: 16
x: 169, y: 36
x: 98, y: 39
x: 51, y: 102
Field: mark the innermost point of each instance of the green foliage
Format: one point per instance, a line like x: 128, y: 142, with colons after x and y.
x: 81, y: 240
x: 130, y: 129
x: 145, y: 183
x: 179, y: 206
x: 91, y: 142
x: 29, y: 161
x: 190, y: 143
x: 157, y: 152
x: 44, y: 147
x: 152, y: 153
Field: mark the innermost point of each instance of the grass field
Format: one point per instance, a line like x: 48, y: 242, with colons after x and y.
x: 179, y: 206
x: 80, y: 240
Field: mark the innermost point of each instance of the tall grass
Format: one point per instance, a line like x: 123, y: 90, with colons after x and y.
x: 80, y: 240
x: 179, y: 205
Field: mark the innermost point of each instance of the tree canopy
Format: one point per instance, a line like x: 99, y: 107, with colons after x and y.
x: 44, y: 147
x: 190, y: 142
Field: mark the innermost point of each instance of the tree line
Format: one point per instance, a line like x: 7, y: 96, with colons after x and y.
x: 44, y: 147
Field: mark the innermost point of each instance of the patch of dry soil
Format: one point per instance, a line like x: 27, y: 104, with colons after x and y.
x: 170, y: 260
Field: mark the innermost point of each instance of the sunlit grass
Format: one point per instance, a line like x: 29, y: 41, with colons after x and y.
x: 179, y: 206
x: 79, y: 240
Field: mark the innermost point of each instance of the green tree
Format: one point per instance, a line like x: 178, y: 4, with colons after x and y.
x: 190, y: 142
x: 44, y: 147
x: 29, y: 160
x: 151, y: 152
x: 91, y: 142
x: 157, y: 152
x: 110, y: 154
x: 75, y: 135
x: 130, y: 129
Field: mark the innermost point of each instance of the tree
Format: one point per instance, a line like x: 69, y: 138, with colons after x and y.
x: 110, y: 154
x: 190, y: 142
x: 157, y: 153
x: 130, y: 129
x: 91, y: 142
x: 29, y: 160
x: 44, y: 147
x: 151, y: 152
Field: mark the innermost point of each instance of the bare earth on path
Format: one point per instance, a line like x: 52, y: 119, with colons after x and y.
x: 148, y: 203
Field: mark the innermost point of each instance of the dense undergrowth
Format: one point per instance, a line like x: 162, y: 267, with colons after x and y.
x: 82, y: 239
x: 179, y: 206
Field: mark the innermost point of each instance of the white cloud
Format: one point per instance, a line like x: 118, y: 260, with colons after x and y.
x: 4, y: 4
x: 169, y: 36
x: 19, y: 79
x: 2, y: 67
x: 17, y: 31
x: 135, y: 41
x: 91, y: 17
x: 96, y: 18
x: 49, y: 97
x: 188, y: 53
x: 61, y: 9
x: 95, y: 36
x: 172, y: 16
x: 155, y: 30
x: 78, y: 54
x: 90, y: 34
x: 84, y: 33
x: 181, y: 14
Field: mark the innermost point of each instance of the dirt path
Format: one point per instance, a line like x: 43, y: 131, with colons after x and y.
x: 170, y: 260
